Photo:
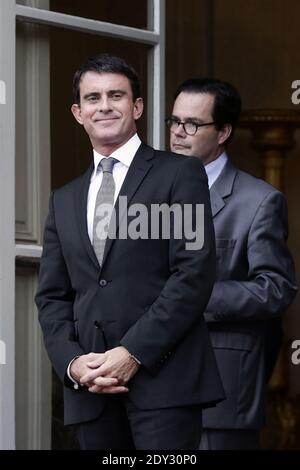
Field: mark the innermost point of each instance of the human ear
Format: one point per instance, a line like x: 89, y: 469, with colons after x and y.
x: 138, y: 108
x: 76, y: 111
x: 224, y: 133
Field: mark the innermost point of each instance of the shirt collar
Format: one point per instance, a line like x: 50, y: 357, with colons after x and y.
x: 124, y: 154
x: 214, y: 168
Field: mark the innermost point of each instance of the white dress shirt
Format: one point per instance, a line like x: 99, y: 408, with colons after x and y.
x: 214, y: 168
x: 125, y: 156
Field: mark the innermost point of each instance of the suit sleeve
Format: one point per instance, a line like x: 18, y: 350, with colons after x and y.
x: 270, y: 286
x: 183, y: 298
x: 54, y: 299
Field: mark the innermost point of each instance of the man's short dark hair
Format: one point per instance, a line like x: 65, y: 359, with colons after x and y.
x: 227, y: 100
x: 105, y: 63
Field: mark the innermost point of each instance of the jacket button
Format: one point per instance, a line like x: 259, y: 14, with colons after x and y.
x: 103, y: 282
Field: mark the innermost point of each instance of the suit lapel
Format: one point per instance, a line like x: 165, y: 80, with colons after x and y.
x: 81, y: 203
x: 222, y: 187
x: 141, y: 164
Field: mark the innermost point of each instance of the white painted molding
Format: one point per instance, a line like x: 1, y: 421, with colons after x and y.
x: 28, y: 251
x: 84, y: 25
x: 156, y: 76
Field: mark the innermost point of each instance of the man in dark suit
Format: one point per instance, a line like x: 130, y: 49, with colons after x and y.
x: 255, y: 272
x: 122, y: 316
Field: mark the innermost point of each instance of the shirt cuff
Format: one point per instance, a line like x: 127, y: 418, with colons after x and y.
x: 135, y: 359
x: 76, y: 385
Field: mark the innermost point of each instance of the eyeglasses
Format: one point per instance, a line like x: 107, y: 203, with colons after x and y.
x: 189, y: 127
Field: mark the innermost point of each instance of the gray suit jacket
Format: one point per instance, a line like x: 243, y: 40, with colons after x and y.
x: 255, y: 283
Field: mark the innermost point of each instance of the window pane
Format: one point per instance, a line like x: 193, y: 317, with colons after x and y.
x: 132, y: 13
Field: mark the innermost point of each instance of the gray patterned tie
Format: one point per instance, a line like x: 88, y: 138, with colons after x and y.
x: 103, y: 207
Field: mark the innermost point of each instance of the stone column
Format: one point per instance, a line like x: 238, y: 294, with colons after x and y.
x: 272, y: 136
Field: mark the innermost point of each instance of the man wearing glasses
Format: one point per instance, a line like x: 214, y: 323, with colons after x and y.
x: 255, y: 272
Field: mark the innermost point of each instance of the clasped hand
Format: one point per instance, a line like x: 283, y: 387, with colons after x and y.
x: 107, y: 372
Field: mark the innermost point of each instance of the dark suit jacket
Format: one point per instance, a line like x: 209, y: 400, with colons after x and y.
x: 149, y: 295
x: 255, y: 283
